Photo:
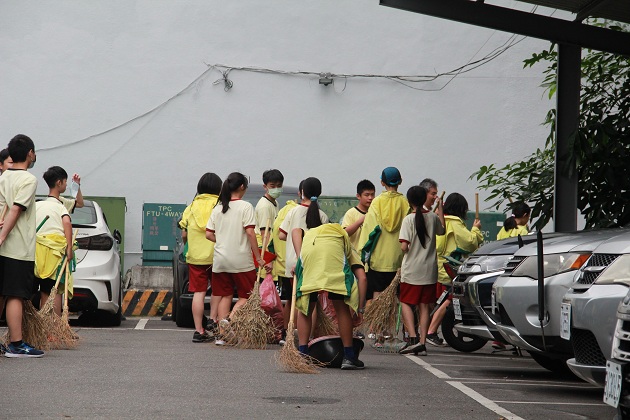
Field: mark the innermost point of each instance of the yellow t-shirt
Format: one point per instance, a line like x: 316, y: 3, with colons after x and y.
x: 18, y: 186
x: 265, y: 211
x: 519, y: 230
x: 296, y: 218
x: 194, y: 221
x: 232, y: 251
x: 280, y: 247
x: 387, y: 211
x: 350, y: 218
x: 55, y: 210
x: 457, y: 236
x: 327, y: 257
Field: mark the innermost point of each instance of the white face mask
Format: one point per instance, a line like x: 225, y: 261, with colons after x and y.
x: 275, y: 192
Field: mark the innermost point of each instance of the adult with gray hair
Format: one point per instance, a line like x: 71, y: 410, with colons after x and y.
x: 432, y: 190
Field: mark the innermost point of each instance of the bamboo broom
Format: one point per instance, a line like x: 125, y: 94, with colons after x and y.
x: 289, y: 358
x: 380, y: 316
x: 250, y: 327
x: 441, y: 201
x: 476, y: 205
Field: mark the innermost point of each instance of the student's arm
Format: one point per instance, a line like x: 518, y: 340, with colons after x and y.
x: 351, y: 229
x: 253, y: 244
x: 212, y: 237
x: 282, y: 235
x: 296, y: 236
x: 67, y: 231
x: 79, y: 199
x: 10, y: 220
x: 359, y: 273
x: 185, y: 236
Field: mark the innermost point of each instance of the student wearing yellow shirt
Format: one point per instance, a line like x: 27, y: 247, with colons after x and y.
x: 200, y: 253
x: 516, y: 224
x: 267, y: 207
x: 457, y: 243
x: 387, y: 211
x: 353, y: 219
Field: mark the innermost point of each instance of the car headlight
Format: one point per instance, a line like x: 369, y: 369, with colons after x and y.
x: 617, y: 272
x: 484, y: 264
x: 553, y: 264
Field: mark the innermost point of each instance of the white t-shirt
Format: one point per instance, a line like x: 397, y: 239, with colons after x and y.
x: 296, y: 218
x: 232, y: 251
x: 419, y: 265
x: 17, y: 186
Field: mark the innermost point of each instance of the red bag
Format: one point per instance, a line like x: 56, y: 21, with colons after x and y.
x: 272, y: 305
x: 268, y: 257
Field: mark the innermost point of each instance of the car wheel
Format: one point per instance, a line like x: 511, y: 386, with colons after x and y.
x: 555, y: 365
x: 459, y: 341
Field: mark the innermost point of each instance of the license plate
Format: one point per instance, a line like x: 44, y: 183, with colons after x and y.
x: 493, y: 302
x: 565, y: 321
x: 612, y: 391
x: 457, y: 309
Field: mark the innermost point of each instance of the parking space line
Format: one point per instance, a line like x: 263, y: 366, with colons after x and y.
x: 489, y: 404
x: 552, y: 403
x: 141, y: 324
x: 541, y: 384
x: 489, y: 366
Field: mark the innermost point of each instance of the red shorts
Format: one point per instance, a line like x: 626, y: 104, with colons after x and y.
x: 414, y: 294
x: 223, y: 283
x: 198, y: 277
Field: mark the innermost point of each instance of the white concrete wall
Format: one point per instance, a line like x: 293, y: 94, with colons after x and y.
x: 70, y: 70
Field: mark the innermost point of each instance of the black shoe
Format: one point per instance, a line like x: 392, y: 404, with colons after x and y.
x: 421, y: 350
x: 411, y: 344
x: 435, y: 340
x: 352, y: 364
x: 201, y: 338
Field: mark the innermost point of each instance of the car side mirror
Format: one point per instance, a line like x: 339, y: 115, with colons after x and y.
x: 117, y: 236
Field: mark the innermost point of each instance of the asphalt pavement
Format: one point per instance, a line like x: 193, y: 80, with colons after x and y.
x: 149, y: 368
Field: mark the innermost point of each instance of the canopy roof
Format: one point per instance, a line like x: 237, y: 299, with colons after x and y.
x: 608, y: 9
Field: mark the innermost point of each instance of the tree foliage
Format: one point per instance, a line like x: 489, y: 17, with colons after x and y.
x: 600, y: 148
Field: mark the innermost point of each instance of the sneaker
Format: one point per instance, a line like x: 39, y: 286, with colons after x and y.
x: 201, y: 338
x: 435, y: 340
x: 283, y: 338
x: 23, y: 350
x: 359, y: 335
x: 411, y: 346
x: 220, y: 342
x: 371, y: 336
x: 352, y: 364
x: 421, y: 350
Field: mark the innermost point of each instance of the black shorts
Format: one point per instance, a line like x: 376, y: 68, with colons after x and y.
x: 45, y: 285
x: 16, y: 277
x: 285, y: 286
x: 377, y: 281
x: 312, y: 298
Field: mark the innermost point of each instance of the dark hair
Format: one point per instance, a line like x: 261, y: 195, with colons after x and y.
x: 54, y: 174
x: 232, y: 183
x: 456, y: 205
x: 428, y: 183
x: 209, y: 183
x: 272, y: 175
x: 417, y: 196
x: 365, y: 185
x: 4, y: 155
x: 19, y: 146
x: 519, y: 209
x: 312, y: 188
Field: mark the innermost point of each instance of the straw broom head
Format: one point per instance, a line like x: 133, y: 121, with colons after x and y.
x: 380, y: 315
x: 324, y: 325
x: 250, y: 327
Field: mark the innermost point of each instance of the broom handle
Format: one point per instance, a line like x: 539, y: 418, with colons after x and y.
x: 64, y: 262
x: 42, y: 223
x: 476, y: 205
x: 293, y: 298
x: 265, y: 244
x: 441, y: 201
x: 65, y: 289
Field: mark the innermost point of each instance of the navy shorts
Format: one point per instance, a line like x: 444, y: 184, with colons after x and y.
x: 17, y: 277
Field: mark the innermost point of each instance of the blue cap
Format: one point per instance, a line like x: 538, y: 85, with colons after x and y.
x: 391, y: 176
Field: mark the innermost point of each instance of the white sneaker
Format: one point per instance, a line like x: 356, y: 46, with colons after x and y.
x: 219, y: 342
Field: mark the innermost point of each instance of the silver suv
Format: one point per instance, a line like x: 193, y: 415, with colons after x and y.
x: 515, y: 295
x: 589, y: 308
x: 617, y: 390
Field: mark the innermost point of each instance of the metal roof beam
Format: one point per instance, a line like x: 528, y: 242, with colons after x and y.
x: 518, y: 22
x: 588, y: 9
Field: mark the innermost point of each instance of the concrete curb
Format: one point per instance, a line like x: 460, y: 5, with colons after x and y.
x: 147, y: 302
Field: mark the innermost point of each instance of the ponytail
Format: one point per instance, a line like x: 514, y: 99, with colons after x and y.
x: 232, y: 183
x: 519, y: 209
x: 312, y: 188
x: 417, y: 196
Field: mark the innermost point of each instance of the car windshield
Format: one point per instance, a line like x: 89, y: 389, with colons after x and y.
x: 84, y: 216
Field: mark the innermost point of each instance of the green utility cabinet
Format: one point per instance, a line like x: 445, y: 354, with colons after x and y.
x: 160, y: 232
x: 491, y: 223
x: 336, y: 207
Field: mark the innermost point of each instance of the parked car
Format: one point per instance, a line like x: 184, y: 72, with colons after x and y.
x: 589, y: 308
x: 98, y: 277
x: 473, y: 319
x: 182, y: 298
x: 617, y: 389
x: 516, y: 295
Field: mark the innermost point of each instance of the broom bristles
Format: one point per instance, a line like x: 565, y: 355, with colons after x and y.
x: 380, y: 315
x: 291, y: 360
x: 324, y: 325
x: 250, y: 327
x: 33, y: 327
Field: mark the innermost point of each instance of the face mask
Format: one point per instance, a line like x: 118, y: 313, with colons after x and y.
x: 275, y: 192
x: 32, y: 164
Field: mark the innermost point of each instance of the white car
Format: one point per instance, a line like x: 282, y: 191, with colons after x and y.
x: 98, y: 277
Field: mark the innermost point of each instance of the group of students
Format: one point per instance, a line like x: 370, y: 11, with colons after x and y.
x: 35, y: 237
x: 225, y: 233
